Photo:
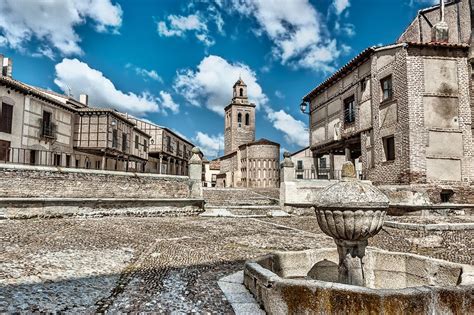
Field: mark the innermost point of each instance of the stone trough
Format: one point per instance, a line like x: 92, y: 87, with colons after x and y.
x: 396, y: 283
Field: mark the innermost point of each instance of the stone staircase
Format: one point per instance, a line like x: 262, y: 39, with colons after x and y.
x: 239, y: 202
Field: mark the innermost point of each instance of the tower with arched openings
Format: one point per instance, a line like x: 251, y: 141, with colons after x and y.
x: 239, y: 119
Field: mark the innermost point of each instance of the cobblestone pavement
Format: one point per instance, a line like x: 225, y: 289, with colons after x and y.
x: 156, y: 264
x: 131, y: 264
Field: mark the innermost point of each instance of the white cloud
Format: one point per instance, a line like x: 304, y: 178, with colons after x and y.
x: 211, y: 145
x: 295, y: 131
x: 428, y: 2
x: 179, y: 25
x: 295, y: 28
x: 52, y: 22
x: 168, y: 103
x: 80, y: 78
x: 147, y: 74
x: 345, y: 28
x: 44, y: 52
x: 340, y: 5
x: 211, y: 83
x: 279, y: 94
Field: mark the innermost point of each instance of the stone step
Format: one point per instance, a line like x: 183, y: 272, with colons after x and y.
x: 245, y: 212
x: 243, y: 202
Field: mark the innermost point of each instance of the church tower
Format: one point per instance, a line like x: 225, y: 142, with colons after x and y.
x: 239, y: 124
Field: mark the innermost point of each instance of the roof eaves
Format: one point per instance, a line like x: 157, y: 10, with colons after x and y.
x: 362, y: 56
x: 27, y: 89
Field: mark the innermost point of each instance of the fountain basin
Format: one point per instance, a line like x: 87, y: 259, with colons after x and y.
x: 306, y: 282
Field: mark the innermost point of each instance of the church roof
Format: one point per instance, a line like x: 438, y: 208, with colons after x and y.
x: 240, y: 82
x: 260, y: 141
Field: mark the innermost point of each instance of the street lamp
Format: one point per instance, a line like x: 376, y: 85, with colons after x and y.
x: 304, y: 107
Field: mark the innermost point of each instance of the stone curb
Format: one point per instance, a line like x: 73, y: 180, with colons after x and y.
x: 430, y: 227
x: 99, y: 214
x: 225, y: 213
x: 21, y: 208
x: 241, y: 300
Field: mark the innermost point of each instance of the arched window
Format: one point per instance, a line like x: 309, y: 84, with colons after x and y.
x: 241, y: 92
x: 239, y: 119
x: 247, y: 119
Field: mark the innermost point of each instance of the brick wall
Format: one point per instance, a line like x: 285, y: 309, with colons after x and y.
x: 26, y: 181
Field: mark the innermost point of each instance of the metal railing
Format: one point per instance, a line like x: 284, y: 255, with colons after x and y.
x: 323, y: 173
x: 48, y: 130
x: 66, y: 159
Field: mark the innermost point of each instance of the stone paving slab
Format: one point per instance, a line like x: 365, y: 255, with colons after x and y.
x: 239, y: 297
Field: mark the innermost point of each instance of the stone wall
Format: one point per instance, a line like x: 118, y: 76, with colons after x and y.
x: 262, y: 166
x: 457, y: 16
x: 23, y: 181
x: 390, y: 118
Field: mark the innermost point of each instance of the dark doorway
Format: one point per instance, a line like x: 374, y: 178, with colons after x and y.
x: 4, y: 151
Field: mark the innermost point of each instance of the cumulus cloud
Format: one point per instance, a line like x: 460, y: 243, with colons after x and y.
x: 53, y: 22
x: 179, y: 25
x: 340, y: 5
x: 211, y: 145
x: 167, y: 102
x: 296, y: 30
x: 211, y: 83
x: 295, y: 131
x: 80, y: 78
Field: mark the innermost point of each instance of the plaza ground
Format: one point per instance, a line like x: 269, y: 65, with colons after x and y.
x: 131, y: 264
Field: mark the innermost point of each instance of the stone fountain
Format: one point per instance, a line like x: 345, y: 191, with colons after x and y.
x: 355, y: 278
x: 351, y: 211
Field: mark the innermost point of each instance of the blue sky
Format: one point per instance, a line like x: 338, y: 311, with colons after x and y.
x: 174, y: 62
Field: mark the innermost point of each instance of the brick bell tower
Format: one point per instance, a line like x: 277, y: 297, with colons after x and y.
x: 239, y: 123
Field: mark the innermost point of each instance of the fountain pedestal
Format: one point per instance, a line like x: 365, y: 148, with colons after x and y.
x: 351, y: 211
x: 351, y: 265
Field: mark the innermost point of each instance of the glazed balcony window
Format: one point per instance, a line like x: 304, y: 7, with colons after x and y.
x: 48, y: 128
x: 387, y: 89
x: 349, y: 110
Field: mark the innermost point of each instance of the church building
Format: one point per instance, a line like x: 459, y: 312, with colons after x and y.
x: 246, y: 162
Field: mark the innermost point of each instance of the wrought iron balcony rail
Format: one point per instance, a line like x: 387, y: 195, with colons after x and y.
x: 48, y: 130
x: 323, y: 173
x: 71, y: 160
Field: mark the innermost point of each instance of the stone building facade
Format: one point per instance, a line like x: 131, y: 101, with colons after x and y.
x: 169, y: 153
x: 210, y: 170
x: 309, y: 167
x: 405, y: 110
x: 41, y: 127
x: 246, y: 162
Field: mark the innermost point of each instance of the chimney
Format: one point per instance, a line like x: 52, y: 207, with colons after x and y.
x: 440, y: 31
x: 84, y: 99
x: 7, y: 67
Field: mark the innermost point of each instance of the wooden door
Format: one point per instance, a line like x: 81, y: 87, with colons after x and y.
x: 4, y: 151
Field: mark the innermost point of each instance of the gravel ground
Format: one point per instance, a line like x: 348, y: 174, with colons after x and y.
x: 455, y: 246
x: 164, y: 265
x: 432, y: 219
